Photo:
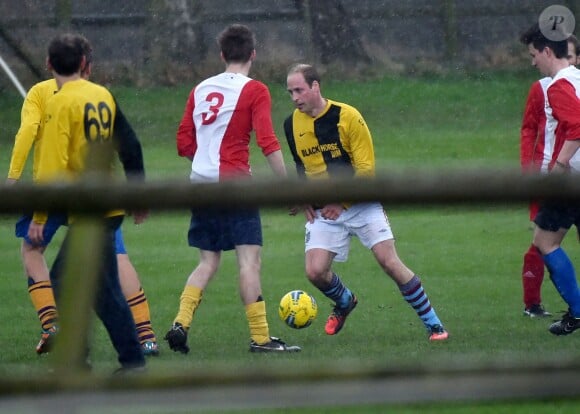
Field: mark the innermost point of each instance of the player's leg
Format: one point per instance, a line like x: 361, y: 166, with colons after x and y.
x: 37, y: 273
x: 112, y: 308
x: 328, y: 241
x: 133, y: 292
x: 533, y: 276
x: 552, y: 223
x: 205, y: 235
x: 411, y: 288
x: 246, y: 234
x: 190, y: 299
x: 320, y: 274
x: 371, y: 225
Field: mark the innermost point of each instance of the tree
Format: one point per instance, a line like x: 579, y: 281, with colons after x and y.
x: 176, y: 40
x: 333, y: 32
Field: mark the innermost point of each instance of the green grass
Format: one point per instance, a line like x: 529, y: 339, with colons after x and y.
x: 469, y: 257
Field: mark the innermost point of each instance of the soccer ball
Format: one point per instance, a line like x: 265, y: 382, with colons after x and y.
x: 298, y: 309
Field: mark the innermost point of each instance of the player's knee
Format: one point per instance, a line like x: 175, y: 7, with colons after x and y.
x: 316, y: 274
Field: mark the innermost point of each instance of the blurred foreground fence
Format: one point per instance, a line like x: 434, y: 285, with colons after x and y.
x: 401, y: 187
x: 72, y: 390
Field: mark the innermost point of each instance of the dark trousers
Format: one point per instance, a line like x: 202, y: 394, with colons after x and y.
x: 110, y: 303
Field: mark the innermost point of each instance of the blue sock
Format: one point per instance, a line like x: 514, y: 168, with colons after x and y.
x: 564, y: 279
x: 338, y: 292
x: 415, y: 296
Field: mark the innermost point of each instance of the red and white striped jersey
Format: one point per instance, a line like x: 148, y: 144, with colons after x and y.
x: 563, y: 99
x: 219, y: 116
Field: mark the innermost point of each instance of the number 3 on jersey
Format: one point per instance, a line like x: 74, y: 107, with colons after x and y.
x: 216, y: 101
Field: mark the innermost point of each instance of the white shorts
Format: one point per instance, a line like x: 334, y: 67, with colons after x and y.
x: 367, y: 221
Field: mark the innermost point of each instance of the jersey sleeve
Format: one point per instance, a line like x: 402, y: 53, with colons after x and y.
x: 262, y: 120
x: 186, y: 136
x: 534, y: 114
x: 128, y: 147
x: 564, y: 103
x: 362, y: 151
x: 30, y: 118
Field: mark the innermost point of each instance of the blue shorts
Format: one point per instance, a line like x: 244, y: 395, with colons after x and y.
x: 224, y: 229
x: 119, y: 242
x: 554, y: 215
x: 53, y: 223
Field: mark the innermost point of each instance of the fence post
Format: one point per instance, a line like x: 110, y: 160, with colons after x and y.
x: 81, y: 274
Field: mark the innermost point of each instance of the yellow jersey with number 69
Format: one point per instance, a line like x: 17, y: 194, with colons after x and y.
x: 79, y: 113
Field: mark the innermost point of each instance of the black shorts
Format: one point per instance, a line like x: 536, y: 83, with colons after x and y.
x: 217, y: 230
x: 554, y: 215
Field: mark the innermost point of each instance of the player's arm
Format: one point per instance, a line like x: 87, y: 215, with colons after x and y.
x: 276, y: 162
x: 564, y: 102
x: 130, y: 154
x: 128, y: 147
x: 262, y: 124
x: 186, y: 137
x: 30, y: 118
x: 534, y: 112
x: 361, y: 146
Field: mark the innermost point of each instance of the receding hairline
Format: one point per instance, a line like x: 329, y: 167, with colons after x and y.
x: 299, y: 68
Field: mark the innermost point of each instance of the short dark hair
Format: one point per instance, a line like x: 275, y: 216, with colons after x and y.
x: 308, y: 71
x: 535, y: 37
x: 65, y: 53
x: 574, y: 40
x: 237, y: 42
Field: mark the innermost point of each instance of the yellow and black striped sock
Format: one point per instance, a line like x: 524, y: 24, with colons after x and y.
x: 140, y: 310
x: 256, y: 315
x: 43, y: 301
x: 188, y: 303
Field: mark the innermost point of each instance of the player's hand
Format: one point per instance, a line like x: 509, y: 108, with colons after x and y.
x: 309, y: 213
x: 139, y: 216
x: 11, y: 181
x: 35, y: 231
x: 293, y: 210
x: 331, y: 211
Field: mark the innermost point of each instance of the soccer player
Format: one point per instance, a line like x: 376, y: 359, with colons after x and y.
x: 555, y: 218
x: 39, y: 286
x: 331, y: 139
x: 536, y: 145
x: 70, y: 121
x: 214, y: 134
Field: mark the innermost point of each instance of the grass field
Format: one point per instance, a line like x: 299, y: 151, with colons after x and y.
x: 469, y: 257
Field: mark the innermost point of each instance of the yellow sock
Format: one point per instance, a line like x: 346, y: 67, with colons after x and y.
x: 44, y: 303
x: 140, y: 310
x: 188, y: 303
x: 256, y: 315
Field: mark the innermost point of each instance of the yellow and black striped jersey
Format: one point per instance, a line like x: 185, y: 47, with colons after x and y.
x: 337, y: 142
